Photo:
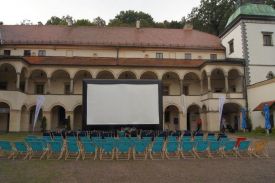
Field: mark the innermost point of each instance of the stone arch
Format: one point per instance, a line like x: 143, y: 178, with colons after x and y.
x: 231, y: 114
x: 78, y: 80
x: 37, y: 81
x: 218, y: 80
x: 149, y: 75
x: 235, y: 81
x: 193, y: 113
x: 8, y: 76
x: 171, y: 83
x: 58, y: 117
x: 4, y: 116
x: 105, y: 74
x: 191, y: 84
x: 171, y: 117
x: 127, y: 75
x: 60, y: 82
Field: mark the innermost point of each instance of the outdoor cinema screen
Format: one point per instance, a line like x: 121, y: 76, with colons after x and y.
x: 122, y: 102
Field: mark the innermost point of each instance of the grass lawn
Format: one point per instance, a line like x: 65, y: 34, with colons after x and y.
x: 256, y: 135
x: 14, y: 136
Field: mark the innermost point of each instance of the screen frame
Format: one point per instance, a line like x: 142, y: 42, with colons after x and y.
x: 86, y: 82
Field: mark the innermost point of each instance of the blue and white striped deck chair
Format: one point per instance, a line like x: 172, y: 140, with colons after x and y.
x: 21, y: 150
x: 123, y: 149
x: 244, y: 149
x: 56, y: 150
x: 107, y: 151
x: 88, y: 150
x: 229, y: 149
x: 140, y: 150
x: 214, y: 149
x: 37, y: 149
x: 72, y: 150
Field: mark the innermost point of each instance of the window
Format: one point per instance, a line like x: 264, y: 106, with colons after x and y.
x: 213, y: 56
x: 267, y: 38
x: 231, y: 46
x: 27, y: 53
x: 7, y: 52
x: 39, y: 89
x: 159, y: 55
x: 185, y: 90
x: 22, y: 86
x: 165, y: 90
x: 41, y: 53
x: 3, y: 85
x: 67, y: 89
x: 167, y: 116
x: 188, y: 56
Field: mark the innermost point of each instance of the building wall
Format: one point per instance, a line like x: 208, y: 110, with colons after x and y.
x: 258, y: 93
x: 234, y: 34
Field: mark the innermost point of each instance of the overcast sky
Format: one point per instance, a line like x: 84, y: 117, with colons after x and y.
x: 15, y: 11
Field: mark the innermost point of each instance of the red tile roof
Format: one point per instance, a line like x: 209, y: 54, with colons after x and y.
x: 108, y: 36
x: 88, y: 61
x: 260, y: 107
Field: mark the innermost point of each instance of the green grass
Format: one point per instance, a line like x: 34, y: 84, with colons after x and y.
x: 257, y: 135
x: 14, y: 136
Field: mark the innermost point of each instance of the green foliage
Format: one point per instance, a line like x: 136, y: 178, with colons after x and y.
x: 129, y: 18
x: 83, y: 22
x: 98, y: 21
x: 259, y: 130
x: 43, y: 124
x: 54, y: 20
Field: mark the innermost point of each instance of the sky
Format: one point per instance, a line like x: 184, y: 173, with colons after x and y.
x: 15, y: 11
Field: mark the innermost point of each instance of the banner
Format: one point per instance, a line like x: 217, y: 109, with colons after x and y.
x: 39, y: 102
x: 221, y: 103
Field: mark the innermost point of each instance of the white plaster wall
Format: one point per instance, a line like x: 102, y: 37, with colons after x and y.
x: 236, y: 34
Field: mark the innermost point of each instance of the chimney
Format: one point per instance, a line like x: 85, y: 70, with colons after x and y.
x: 137, y: 24
x: 188, y: 26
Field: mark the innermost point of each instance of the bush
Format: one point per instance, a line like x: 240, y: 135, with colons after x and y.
x: 249, y: 124
x: 259, y: 129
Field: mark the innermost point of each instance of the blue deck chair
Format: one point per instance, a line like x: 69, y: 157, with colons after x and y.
x: 55, y: 149
x: 211, y: 138
x: 159, y: 139
x: 140, y: 150
x: 85, y: 139
x: 200, y: 148
x: 47, y: 138
x: 7, y: 149
x: 214, y: 149
x: 172, y: 150
x: 71, y: 139
x: 88, y: 150
x: 186, y: 138
x: 123, y: 150
x: 58, y: 138
x: 186, y: 149
x: 198, y: 138
x: 156, y: 151
x: 72, y: 151
x: 172, y: 138
x: 244, y: 149
x: 107, y: 151
x: 21, y: 150
x: 37, y: 149
x: 229, y: 149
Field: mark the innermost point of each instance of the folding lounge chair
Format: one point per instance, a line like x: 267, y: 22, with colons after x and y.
x: 71, y: 139
x: 172, y: 150
x: 186, y: 138
x: 56, y: 149
x: 244, y: 149
x: 88, y: 150
x: 85, y: 139
x: 37, y: 149
x: 229, y: 149
x: 198, y: 138
x: 211, y: 138
x: 214, y: 149
x: 72, y: 151
x: 187, y: 149
x: 7, y: 149
x: 156, y: 152
x: 107, y: 151
x: 21, y: 150
x: 58, y: 138
x: 259, y: 149
x: 123, y: 150
x: 140, y: 150
x: 172, y: 138
x: 47, y: 138
x: 200, y: 148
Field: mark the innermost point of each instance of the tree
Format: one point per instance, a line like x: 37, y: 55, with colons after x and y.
x: 129, y: 18
x: 54, y: 20
x: 98, y: 21
x: 26, y: 22
x: 212, y: 15
x: 83, y: 22
x: 1, y: 23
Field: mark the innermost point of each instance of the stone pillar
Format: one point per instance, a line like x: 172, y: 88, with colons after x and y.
x: 71, y: 114
x: 181, y: 87
x: 14, y: 121
x: 72, y: 86
x: 213, y: 121
x: 201, y: 82
x: 226, y: 83
x: 26, y: 85
x: 49, y: 86
x: 209, y: 83
x: 48, y: 117
x: 18, y: 81
x: 182, y: 121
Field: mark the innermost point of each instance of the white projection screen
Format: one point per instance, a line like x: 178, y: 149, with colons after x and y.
x: 122, y: 102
